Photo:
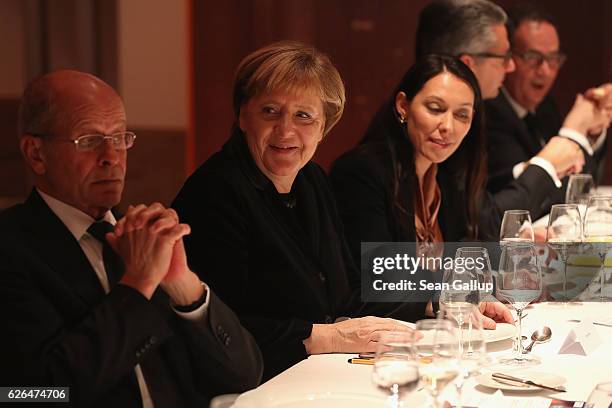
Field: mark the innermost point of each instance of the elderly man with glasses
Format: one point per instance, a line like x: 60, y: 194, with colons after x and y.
x: 107, y: 308
x: 524, y: 125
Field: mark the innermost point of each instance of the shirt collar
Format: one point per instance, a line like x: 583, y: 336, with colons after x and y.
x: 74, y: 219
x: 520, y: 110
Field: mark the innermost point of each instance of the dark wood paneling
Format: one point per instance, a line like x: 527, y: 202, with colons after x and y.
x: 155, y: 170
x: 13, y: 179
x: 106, y: 42
x: 371, y: 43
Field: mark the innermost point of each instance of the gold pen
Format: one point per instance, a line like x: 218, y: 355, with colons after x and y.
x: 365, y: 361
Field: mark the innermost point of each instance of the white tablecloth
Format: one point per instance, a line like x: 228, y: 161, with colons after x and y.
x: 322, y: 376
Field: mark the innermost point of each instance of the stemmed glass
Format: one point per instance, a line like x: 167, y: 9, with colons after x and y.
x: 477, y: 263
x: 395, y: 368
x: 458, y: 285
x: 598, y: 232
x: 437, y: 352
x: 468, y: 283
x: 519, y: 282
x: 579, y: 188
x: 472, y: 345
x: 516, y: 227
x: 563, y: 233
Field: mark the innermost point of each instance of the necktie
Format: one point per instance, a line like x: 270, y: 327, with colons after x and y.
x: 531, y: 121
x: 112, y: 263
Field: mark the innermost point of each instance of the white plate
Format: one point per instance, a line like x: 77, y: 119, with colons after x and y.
x: 539, y: 377
x: 275, y: 397
x: 502, y: 331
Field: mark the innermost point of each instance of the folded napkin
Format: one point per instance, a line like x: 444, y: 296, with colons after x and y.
x: 581, y: 340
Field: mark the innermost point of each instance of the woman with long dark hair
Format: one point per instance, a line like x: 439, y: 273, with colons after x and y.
x: 419, y: 172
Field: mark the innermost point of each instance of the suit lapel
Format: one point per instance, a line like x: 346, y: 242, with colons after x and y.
x: 61, y: 251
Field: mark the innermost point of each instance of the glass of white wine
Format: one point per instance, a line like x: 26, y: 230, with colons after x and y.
x: 518, y: 283
x: 564, y: 234
x: 477, y: 263
x: 516, y: 227
x: 579, y: 190
x: 436, y: 348
x: 395, y: 367
x: 598, y: 233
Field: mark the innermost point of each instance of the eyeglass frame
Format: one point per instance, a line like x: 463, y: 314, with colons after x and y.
x: 77, y: 142
x: 550, y: 58
x: 506, y: 58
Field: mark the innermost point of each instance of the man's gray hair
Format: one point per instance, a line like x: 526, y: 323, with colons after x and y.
x: 457, y: 27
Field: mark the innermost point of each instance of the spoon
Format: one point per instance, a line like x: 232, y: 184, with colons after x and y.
x: 541, y: 335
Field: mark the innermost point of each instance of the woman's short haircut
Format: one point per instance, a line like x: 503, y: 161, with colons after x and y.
x: 291, y: 65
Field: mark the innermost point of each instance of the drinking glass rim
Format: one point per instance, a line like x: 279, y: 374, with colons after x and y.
x: 600, y: 197
x: 565, y: 205
x: 517, y: 212
x: 581, y: 176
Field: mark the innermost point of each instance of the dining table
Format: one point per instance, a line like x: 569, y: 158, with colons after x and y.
x: 578, y: 355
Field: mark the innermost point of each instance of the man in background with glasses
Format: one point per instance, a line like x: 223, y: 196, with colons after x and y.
x: 107, y: 308
x: 473, y: 31
x: 524, y: 123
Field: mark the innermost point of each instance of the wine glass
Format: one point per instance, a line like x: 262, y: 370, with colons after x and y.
x: 395, y: 368
x: 472, y: 345
x: 516, y: 227
x: 436, y: 350
x: 579, y: 188
x: 519, y: 282
x: 564, y: 232
x: 467, y: 283
x: 477, y: 263
x: 601, y: 396
x: 458, y: 285
x: 598, y: 232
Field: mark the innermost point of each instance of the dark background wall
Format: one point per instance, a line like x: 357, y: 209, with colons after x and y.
x: 372, y: 44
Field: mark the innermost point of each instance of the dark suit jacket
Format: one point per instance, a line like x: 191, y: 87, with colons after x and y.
x: 362, y: 183
x: 280, y: 269
x: 509, y: 143
x: 60, y: 329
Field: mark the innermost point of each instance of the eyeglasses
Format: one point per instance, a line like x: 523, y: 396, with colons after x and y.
x: 507, y: 57
x: 87, y: 143
x: 535, y: 58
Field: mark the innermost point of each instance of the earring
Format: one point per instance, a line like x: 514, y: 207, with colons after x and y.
x: 402, y: 120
